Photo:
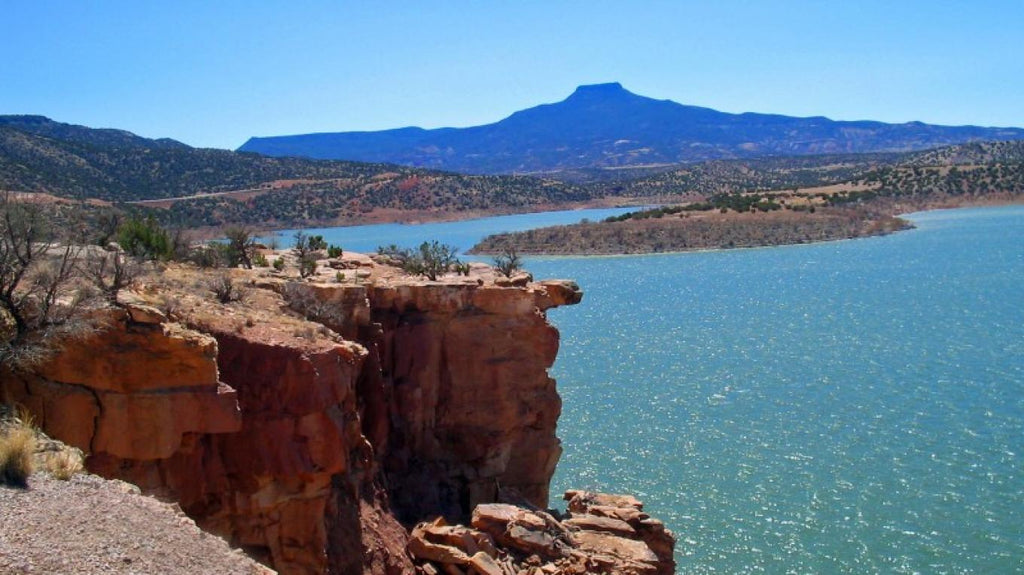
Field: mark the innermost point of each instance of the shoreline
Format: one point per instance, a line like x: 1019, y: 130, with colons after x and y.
x: 418, y: 217
x: 899, y: 216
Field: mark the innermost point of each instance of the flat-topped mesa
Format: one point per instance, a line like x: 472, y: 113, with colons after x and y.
x: 303, y: 423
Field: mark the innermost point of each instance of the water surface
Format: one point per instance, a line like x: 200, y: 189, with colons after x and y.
x: 463, y: 234
x: 844, y: 407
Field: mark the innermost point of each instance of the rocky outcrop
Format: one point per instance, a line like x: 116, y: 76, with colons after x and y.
x: 469, y: 403
x: 601, y: 533
x: 308, y: 440
x: 134, y: 390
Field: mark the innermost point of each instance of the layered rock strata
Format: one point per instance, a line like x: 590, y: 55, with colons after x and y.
x: 308, y: 423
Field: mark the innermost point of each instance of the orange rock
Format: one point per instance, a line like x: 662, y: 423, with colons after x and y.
x: 282, y: 444
x: 131, y: 358
x: 602, y: 524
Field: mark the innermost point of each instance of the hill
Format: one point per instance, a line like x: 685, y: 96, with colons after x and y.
x: 607, y: 126
x: 208, y: 187
x: 786, y: 201
x: 40, y: 155
x: 204, y: 187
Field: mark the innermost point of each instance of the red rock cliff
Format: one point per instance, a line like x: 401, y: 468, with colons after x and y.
x: 303, y: 443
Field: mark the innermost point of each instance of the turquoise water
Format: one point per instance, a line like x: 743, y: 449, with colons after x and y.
x: 463, y: 235
x: 848, y: 407
x: 845, y: 407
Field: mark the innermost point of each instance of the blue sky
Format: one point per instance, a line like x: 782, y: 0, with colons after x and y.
x: 214, y: 73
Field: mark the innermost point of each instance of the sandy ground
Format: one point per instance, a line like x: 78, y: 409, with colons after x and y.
x: 89, y: 525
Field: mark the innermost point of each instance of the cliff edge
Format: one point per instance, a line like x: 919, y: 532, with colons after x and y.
x: 315, y: 421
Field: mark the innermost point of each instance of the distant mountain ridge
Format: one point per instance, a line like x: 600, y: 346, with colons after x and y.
x: 103, y: 137
x: 38, y: 154
x: 605, y: 125
x: 209, y: 187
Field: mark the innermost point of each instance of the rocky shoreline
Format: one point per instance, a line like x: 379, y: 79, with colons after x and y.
x: 600, y: 533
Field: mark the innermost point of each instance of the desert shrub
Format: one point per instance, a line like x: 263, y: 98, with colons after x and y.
x: 110, y: 272
x: 436, y: 259
x: 17, y: 447
x: 317, y: 243
x: 260, y: 260
x: 241, y: 247
x: 106, y: 225
x: 302, y: 298
x: 170, y: 305
x: 145, y: 239
x: 508, y: 262
x: 207, y: 256
x: 307, y: 266
x: 394, y: 254
x: 334, y: 251
x: 39, y: 300
x: 279, y: 263
x: 225, y: 289
x: 307, y: 251
x: 64, y: 464
x: 431, y: 260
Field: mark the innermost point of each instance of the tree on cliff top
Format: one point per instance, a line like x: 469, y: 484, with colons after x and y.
x: 508, y: 261
x: 38, y: 299
x: 432, y: 260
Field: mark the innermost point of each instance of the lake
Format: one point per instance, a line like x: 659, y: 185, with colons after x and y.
x: 844, y: 407
x: 463, y: 235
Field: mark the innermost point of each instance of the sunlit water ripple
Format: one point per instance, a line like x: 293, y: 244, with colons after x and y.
x: 848, y: 407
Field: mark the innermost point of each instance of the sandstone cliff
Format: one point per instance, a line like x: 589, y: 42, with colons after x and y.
x: 309, y: 422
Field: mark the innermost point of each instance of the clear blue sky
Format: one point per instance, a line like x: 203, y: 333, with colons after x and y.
x: 213, y: 73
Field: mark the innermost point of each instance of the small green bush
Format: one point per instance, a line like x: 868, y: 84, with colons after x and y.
x: 210, y: 255
x: 307, y: 266
x: 317, y: 243
x: 145, y: 239
x: 307, y: 250
x: 241, y: 247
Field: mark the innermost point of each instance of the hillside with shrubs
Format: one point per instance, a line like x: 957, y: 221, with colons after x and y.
x: 788, y: 201
x: 208, y: 187
x: 105, y: 176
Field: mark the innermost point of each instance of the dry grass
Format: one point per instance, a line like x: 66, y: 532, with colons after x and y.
x: 17, y: 448
x: 24, y: 449
x: 64, y: 464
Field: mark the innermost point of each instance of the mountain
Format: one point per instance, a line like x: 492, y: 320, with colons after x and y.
x: 38, y: 154
x: 105, y: 137
x: 605, y: 125
x: 207, y: 187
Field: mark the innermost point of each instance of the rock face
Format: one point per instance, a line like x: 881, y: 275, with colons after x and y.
x: 601, y: 534
x: 470, y: 405
x: 307, y: 441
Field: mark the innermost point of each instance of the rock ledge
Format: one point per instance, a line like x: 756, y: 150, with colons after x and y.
x: 600, y: 533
